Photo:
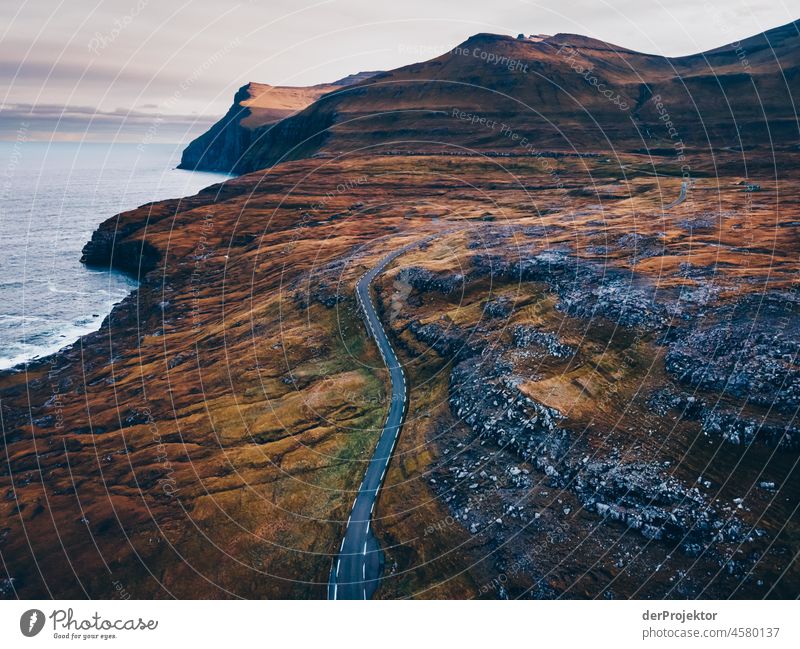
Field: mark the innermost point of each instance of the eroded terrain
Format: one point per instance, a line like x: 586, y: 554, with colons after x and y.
x: 602, y: 390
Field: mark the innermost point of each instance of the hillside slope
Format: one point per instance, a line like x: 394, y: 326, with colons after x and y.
x: 255, y: 106
x: 602, y: 356
x: 570, y: 93
x: 207, y: 442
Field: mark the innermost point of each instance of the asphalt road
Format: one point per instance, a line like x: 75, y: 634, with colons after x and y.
x: 357, y: 570
x: 681, y: 197
x: 358, y: 567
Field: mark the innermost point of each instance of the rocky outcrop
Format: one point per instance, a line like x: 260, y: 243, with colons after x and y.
x: 485, y: 394
x: 491, y: 404
x: 640, y: 495
x: 749, y: 351
x: 501, y: 307
x: 742, y: 430
x: 446, y: 339
x: 588, y: 289
x: 426, y: 281
x: 110, y: 249
x: 724, y: 422
x: 546, y: 343
x: 643, y: 497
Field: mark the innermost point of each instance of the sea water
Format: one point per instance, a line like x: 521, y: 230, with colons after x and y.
x: 52, y: 197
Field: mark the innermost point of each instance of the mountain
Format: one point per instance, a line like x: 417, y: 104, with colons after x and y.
x: 562, y: 92
x: 255, y: 106
x: 600, y: 351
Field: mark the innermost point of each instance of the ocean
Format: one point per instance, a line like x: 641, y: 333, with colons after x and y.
x: 52, y: 197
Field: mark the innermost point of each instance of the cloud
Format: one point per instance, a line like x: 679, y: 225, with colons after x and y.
x: 141, y: 53
x: 58, y: 122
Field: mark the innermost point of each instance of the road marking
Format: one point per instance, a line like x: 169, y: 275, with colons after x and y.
x: 387, y: 352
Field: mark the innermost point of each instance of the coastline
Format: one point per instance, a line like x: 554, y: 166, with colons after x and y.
x: 53, y: 310
x: 105, y: 436
x: 72, y: 333
x: 195, y: 392
x: 115, y: 248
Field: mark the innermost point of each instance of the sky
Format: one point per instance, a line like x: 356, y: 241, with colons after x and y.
x: 164, y: 70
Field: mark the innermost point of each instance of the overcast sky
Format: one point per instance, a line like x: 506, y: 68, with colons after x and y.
x: 116, y: 65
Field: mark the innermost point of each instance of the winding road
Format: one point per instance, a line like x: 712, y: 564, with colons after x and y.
x: 681, y: 197
x: 358, y: 567
x: 357, y: 570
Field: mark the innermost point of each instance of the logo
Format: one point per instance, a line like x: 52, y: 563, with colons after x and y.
x: 31, y: 622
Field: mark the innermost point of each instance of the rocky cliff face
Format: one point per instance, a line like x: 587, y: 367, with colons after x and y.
x: 109, y: 249
x: 219, y: 148
x: 120, y: 243
x: 256, y: 109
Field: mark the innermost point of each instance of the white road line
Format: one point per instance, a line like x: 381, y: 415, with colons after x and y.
x: 387, y: 353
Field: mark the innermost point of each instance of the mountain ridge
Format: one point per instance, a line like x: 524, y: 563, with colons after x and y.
x: 566, y: 92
